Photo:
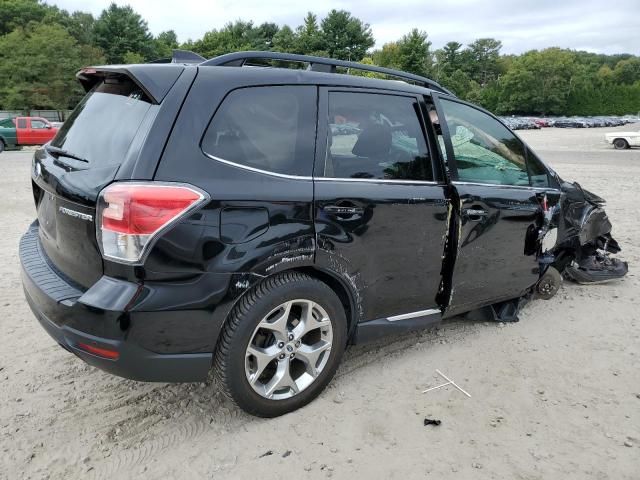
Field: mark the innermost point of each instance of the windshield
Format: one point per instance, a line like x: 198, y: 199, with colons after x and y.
x: 105, y: 122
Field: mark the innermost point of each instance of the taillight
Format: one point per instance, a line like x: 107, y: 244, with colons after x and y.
x: 130, y: 216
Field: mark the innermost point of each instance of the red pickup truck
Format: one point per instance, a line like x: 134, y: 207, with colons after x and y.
x: 25, y: 131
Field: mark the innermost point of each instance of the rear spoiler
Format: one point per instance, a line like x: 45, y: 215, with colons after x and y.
x: 155, y: 80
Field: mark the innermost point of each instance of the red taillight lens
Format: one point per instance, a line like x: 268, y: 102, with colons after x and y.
x: 99, y: 351
x: 142, y: 210
x: 130, y: 215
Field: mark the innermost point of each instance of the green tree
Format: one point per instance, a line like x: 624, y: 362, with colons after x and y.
x: 346, y: 37
x: 80, y: 26
x: 309, y: 38
x: 285, y: 40
x: 165, y: 42
x: 119, y: 30
x: 627, y: 71
x: 539, y: 82
x: 233, y: 37
x: 47, y: 80
x: 481, y: 60
x: 414, y: 53
x: 18, y: 13
x: 449, y: 58
x: 388, y: 56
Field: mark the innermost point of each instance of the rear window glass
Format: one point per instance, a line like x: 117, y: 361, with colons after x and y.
x: 268, y: 128
x: 105, y: 122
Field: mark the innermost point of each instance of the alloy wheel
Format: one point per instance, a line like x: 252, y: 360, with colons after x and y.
x: 288, y: 349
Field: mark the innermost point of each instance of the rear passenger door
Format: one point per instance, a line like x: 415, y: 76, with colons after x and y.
x: 380, y: 212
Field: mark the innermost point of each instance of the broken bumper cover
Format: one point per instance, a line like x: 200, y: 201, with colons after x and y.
x: 585, y: 232
x: 78, y: 327
x: 597, y: 269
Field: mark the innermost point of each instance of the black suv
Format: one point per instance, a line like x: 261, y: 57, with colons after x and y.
x: 198, y: 213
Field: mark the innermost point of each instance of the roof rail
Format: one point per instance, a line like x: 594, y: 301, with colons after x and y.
x: 319, y: 64
x: 181, y: 56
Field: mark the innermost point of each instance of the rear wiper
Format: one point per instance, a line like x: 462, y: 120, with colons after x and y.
x: 63, y: 153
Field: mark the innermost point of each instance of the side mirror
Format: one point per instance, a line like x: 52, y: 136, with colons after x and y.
x: 48, y: 127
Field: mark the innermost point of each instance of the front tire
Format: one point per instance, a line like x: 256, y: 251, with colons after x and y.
x: 281, y: 344
x: 2, y: 146
x: 620, y: 144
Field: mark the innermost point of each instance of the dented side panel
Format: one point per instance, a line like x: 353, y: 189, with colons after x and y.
x: 390, y: 251
x: 497, y: 252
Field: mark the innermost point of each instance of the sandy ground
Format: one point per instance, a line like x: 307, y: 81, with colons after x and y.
x: 554, y: 396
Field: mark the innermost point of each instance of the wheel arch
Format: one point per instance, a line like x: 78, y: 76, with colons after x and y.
x: 331, y: 279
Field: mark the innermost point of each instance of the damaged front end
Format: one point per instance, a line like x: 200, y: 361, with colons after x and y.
x: 580, y: 248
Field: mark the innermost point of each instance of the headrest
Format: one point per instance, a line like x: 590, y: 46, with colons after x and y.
x: 373, y: 141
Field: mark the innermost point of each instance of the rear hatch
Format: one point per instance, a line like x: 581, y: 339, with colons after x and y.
x: 84, y: 157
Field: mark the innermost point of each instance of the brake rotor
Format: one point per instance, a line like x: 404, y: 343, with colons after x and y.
x: 549, y: 284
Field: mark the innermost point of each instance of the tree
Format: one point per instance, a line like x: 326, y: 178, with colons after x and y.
x: 449, y: 58
x: 414, y: 54
x: 285, y: 40
x: 539, y: 82
x: 627, y: 71
x: 388, y: 56
x: 481, y: 60
x: 19, y: 13
x: 119, y: 30
x: 309, y: 37
x: 234, y: 37
x: 346, y: 37
x: 80, y: 26
x: 165, y: 42
x: 263, y: 36
x: 47, y: 80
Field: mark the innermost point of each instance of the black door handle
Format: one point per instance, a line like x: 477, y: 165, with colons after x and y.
x: 342, y: 211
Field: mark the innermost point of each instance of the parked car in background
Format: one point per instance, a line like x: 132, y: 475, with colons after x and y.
x: 20, y: 131
x: 622, y: 140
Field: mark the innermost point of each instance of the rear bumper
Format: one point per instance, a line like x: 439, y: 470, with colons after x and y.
x: 59, y: 308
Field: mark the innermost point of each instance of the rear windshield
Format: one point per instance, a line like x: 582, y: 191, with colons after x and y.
x: 105, y: 122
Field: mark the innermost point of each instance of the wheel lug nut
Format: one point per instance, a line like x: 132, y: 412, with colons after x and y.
x: 297, y: 343
x: 281, y: 344
x: 292, y: 355
x: 282, y: 355
x: 291, y: 336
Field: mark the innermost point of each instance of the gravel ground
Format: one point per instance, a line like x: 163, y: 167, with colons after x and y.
x: 556, y: 395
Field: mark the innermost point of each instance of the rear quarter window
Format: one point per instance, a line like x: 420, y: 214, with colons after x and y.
x: 267, y: 128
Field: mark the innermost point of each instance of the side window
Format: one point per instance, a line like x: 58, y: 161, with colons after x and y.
x: 537, y: 172
x: 485, y: 150
x: 269, y: 128
x: 375, y: 136
x: 22, y: 123
x: 38, y: 124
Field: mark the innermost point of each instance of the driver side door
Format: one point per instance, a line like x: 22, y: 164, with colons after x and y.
x: 502, y: 190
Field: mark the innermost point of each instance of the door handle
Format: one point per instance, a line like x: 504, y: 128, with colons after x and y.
x: 474, y: 213
x: 338, y: 210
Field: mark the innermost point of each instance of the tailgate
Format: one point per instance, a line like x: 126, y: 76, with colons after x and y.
x: 84, y: 157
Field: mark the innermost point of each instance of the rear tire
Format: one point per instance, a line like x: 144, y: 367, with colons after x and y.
x: 620, y: 144
x: 250, y: 371
x: 2, y: 146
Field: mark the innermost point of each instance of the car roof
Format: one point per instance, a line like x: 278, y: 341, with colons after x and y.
x: 272, y: 75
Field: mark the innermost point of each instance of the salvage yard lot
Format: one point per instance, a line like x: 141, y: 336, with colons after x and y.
x: 556, y: 395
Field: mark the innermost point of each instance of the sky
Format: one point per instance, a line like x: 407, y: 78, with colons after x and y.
x: 594, y: 25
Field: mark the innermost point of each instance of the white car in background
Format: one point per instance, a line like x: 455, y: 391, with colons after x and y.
x: 622, y: 140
